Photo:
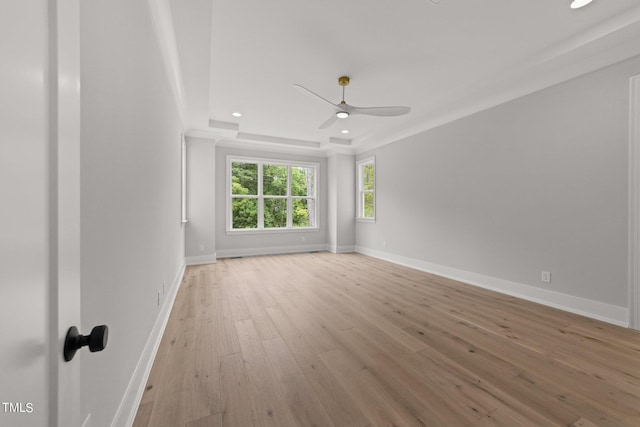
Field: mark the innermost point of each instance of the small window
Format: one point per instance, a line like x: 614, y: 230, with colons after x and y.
x: 367, y: 189
x: 271, y: 195
x: 183, y: 179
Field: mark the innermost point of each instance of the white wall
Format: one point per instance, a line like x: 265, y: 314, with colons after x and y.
x: 251, y: 244
x: 200, y: 243
x: 332, y: 202
x: 132, y: 239
x: 341, y: 203
x: 539, y: 183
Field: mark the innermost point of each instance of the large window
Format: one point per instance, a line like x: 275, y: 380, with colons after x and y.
x: 367, y: 189
x: 271, y: 194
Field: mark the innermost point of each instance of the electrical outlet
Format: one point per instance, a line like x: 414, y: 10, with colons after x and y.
x: 303, y: 239
x: 384, y: 244
x: 546, y: 276
x: 201, y: 247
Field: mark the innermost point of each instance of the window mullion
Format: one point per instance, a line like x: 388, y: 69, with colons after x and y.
x: 229, y: 194
x: 260, y: 198
x: 360, y: 188
x: 289, y: 199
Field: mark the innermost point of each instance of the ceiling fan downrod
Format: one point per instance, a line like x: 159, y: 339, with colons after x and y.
x: 343, y: 81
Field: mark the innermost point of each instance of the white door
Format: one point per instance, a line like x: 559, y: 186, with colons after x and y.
x: 634, y: 202
x: 39, y: 214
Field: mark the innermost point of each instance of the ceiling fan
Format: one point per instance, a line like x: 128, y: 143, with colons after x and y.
x: 344, y: 110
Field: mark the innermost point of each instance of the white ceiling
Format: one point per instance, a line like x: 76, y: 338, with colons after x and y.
x: 444, y: 60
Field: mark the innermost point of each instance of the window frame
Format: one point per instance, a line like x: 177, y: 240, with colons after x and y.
x: 289, y: 197
x: 360, y: 165
x: 183, y: 180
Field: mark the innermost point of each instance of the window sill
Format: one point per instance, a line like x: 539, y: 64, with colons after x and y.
x: 365, y: 220
x: 271, y: 231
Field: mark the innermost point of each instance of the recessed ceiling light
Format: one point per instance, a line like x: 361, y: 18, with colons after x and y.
x: 345, y: 131
x: 576, y: 4
x: 236, y: 114
x: 342, y: 114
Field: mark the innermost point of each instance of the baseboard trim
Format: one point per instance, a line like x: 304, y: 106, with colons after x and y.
x: 201, y: 259
x: 594, y: 309
x: 133, y: 395
x: 274, y: 250
x: 342, y: 249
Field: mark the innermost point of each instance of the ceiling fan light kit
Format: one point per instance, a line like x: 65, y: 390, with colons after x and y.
x: 344, y: 110
x: 577, y: 4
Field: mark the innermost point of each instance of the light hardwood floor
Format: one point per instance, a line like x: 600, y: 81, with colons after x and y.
x: 347, y: 340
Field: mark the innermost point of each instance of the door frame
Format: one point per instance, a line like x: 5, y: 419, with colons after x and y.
x: 63, y: 106
x: 634, y: 202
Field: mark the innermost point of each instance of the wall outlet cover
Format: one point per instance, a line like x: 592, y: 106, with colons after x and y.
x: 546, y: 277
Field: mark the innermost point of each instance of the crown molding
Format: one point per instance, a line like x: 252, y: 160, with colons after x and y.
x: 270, y: 148
x: 324, y: 151
x: 277, y: 140
x: 203, y: 134
x: 340, y: 141
x: 217, y: 124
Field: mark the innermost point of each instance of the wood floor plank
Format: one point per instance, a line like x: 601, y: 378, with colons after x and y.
x: 303, y: 404
x: 499, y: 418
x: 337, y: 403
x: 169, y: 408
x: 262, y: 323
x: 461, y: 342
x: 583, y: 423
x: 202, y: 394
x: 419, y: 399
x: 348, y: 340
x: 321, y: 339
x: 525, y: 373
x: 270, y: 403
x: 210, y: 421
x: 557, y: 344
x: 330, y: 314
x: 144, y: 414
x: 365, y: 389
x: 237, y: 400
x: 226, y: 334
x: 372, y: 316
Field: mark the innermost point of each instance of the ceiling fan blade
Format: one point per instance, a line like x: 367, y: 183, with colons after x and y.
x: 310, y: 92
x: 380, y: 111
x: 329, y: 122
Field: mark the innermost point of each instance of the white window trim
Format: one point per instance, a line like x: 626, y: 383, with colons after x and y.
x: 261, y: 230
x: 183, y: 180
x: 360, y: 192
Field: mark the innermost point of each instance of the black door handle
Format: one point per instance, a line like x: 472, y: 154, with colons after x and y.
x: 96, y: 340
